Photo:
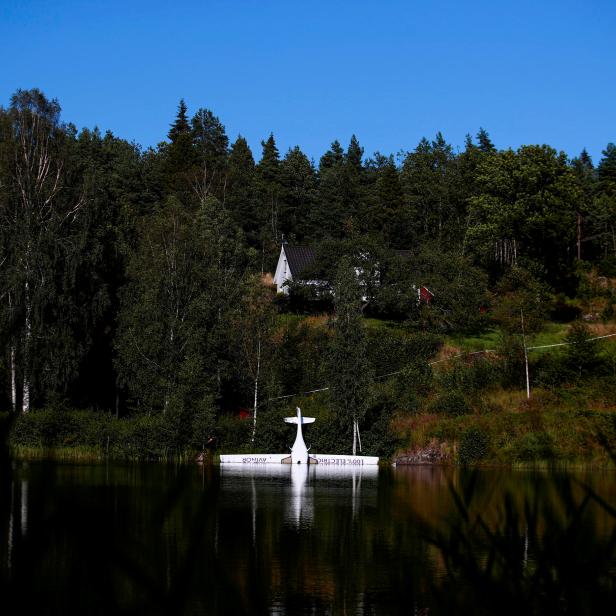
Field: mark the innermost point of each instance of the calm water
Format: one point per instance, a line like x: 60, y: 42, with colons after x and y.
x: 115, y: 539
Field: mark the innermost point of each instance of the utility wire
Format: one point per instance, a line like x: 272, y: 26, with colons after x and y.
x: 439, y: 361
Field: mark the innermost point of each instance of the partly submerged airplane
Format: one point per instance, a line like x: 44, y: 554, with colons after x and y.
x: 299, y: 452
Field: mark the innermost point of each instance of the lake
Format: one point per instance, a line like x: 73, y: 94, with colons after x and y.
x: 164, y: 539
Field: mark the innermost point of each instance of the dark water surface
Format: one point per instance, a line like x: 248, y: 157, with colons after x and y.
x: 154, y: 539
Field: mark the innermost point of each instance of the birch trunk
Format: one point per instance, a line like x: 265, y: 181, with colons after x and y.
x: 254, y: 410
x: 13, y: 367
x: 25, y: 399
x: 13, y: 381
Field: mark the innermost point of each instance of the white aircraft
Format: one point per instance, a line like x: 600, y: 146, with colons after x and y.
x: 299, y: 452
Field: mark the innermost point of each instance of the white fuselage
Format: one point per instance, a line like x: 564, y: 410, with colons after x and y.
x: 299, y: 451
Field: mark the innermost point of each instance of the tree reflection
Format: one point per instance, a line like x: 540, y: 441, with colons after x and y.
x: 182, y: 540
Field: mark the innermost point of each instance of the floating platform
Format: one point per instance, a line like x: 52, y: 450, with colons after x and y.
x: 315, y: 458
x: 300, y: 453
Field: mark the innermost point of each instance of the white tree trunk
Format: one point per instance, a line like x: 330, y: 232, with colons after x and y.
x: 354, y: 437
x: 254, y: 410
x: 13, y: 380
x: 25, y: 400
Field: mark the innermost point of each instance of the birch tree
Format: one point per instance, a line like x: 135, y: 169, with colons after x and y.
x: 34, y: 218
x: 184, y: 277
x: 255, y: 328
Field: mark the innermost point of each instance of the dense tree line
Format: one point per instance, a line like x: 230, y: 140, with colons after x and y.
x: 130, y: 279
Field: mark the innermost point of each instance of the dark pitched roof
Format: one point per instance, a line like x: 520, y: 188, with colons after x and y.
x: 299, y: 258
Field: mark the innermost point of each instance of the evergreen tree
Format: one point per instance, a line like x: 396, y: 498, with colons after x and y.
x: 180, y: 125
x: 604, y: 207
x: 431, y: 184
x: 299, y: 194
x: 485, y: 143
x: 334, y: 156
x: 587, y: 223
x: 211, y: 149
x: 180, y: 158
x: 340, y: 203
x: 348, y: 365
x: 354, y: 155
x: 268, y: 182
x: 241, y: 193
x: 582, y: 353
x: 606, y: 170
x: 386, y: 208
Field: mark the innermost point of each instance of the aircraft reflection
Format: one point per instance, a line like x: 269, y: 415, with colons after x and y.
x: 299, y: 485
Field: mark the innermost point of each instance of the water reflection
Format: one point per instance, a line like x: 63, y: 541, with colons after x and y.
x: 295, y: 485
x: 306, y: 539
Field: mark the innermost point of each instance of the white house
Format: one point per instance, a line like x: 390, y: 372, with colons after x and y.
x: 293, y: 260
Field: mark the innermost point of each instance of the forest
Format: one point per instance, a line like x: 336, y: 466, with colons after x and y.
x: 138, y: 319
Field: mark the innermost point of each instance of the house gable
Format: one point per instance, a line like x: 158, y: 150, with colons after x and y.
x: 293, y: 260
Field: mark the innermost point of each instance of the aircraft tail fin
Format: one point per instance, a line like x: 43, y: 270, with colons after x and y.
x: 299, y: 419
x: 303, y: 420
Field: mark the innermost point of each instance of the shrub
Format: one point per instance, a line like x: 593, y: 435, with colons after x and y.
x: 607, y: 267
x: 233, y: 433
x: 473, y: 445
x: 482, y: 373
x: 563, y: 310
x: 451, y: 403
x: 534, y: 446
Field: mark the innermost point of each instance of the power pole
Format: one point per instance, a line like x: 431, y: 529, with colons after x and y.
x: 525, y: 356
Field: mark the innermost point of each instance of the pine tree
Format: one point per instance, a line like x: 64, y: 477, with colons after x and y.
x: 485, y: 143
x: 241, y: 192
x: 584, y: 172
x: 331, y: 158
x: 606, y: 170
x: 391, y: 204
x: 604, y: 210
x: 430, y: 177
x: 268, y: 181
x: 211, y: 144
x: 299, y: 193
x: 354, y: 155
x: 180, y: 125
x: 180, y: 159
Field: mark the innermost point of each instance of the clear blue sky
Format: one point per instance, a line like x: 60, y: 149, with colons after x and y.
x: 541, y: 71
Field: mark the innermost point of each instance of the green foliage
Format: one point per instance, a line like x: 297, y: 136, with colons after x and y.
x: 130, y: 279
x: 520, y: 300
x: 534, y: 446
x: 480, y: 374
x: 582, y: 353
x: 348, y: 366
x: 451, y: 403
x: 473, y: 447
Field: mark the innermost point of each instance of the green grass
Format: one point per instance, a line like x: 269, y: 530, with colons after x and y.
x: 573, y: 425
x: 77, y: 453
x: 552, y: 333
